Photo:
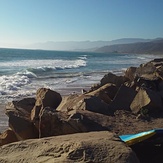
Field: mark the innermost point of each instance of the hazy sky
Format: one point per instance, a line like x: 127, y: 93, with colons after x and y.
x: 30, y: 21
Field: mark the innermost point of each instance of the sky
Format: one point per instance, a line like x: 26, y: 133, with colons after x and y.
x: 31, y: 21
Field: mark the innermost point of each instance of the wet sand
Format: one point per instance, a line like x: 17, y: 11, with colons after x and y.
x: 3, y: 118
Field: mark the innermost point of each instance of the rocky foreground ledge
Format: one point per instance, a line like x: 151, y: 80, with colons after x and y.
x: 118, y: 104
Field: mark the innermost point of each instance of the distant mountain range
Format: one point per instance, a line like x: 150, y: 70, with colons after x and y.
x: 82, y: 45
x: 148, y: 47
x: 124, y: 45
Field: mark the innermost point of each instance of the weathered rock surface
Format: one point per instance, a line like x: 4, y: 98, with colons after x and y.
x: 44, y: 98
x: 130, y: 73
x: 84, y: 102
x: 148, y: 100
x: 19, y: 118
x: 7, y: 137
x: 123, y: 98
x: 54, y: 123
x: 106, y: 92
x: 21, y: 108
x: 86, y: 147
x: 23, y: 128
x: 114, y: 79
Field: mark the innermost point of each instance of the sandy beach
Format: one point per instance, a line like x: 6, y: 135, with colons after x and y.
x: 3, y: 118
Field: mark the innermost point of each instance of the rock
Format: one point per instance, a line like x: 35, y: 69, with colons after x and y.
x: 45, y: 98
x: 94, y: 87
x: 106, y: 92
x: 21, y: 108
x: 68, y: 102
x: 158, y: 62
x: 89, y: 121
x: 7, y: 137
x: 151, y: 70
x: 94, y: 104
x: 130, y: 73
x: 147, y: 68
x: 53, y: 123
x: 19, y: 118
x: 112, y: 78
x: 23, y: 128
x: 159, y: 72
x: 123, y: 98
x: 84, y: 102
x: 147, y: 101
x: 86, y: 147
x: 148, y: 83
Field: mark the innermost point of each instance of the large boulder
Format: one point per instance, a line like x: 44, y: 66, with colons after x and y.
x: 123, y: 99
x: 114, y: 79
x: 84, y: 102
x: 7, y: 137
x: 94, y: 104
x: 68, y: 102
x: 106, y: 92
x: 130, y: 73
x: 84, y: 147
x: 19, y: 118
x: 147, y: 68
x: 53, y: 123
x: 148, y: 82
x: 147, y: 101
x: 45, y: 98
x: 23, y: 128
x: 21, y: 108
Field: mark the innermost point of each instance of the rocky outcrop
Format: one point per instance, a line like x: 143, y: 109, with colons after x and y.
x: 106, y: 92
x: 147, y: 101
x: 21, y: 108
x: 123, y: 98
x: 19, y: 113
x: 8, y: 137
x: 130, y: 73
x: 114, y: 79
x: 53, y: 123
x: 86, y: 147
x: 86, y: 101
x: 23, y: 128
x: 45, y: 98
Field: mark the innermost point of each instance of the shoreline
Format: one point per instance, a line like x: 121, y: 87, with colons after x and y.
x: 63, y: 92
x: 3, y: 118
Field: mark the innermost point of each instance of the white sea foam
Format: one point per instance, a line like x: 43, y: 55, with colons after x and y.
x: 12, y: 83
x: 27, y: 74
x: 83, y: 57
x: 43, y: 64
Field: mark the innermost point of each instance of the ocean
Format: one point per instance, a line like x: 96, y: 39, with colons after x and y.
x: 22, y: 72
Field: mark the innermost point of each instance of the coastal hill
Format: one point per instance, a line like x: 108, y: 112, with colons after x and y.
x: 81, y: 45
x: 150, y: 47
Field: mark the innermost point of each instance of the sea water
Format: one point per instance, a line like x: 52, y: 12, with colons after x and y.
x: 22, y: 72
